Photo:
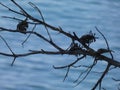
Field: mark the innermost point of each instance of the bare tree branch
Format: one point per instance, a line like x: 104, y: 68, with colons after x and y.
x: 80, y: 47
x: 34, y: 6
x: 101, y: 78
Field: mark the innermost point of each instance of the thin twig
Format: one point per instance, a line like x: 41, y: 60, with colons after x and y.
x: 14, y: 18
x: 101, y: 78
x: 118, y: 80
x: 88, y: 71
x: 106, y: 42
x: 71, y: 64
x: 29, y: 35
x: 35, y: 7
x: 9, y: 49
x: 22, y: 10
x: 11, y: 9
x: 7, y: 44
x: 13, y: 61
x: 66, y: 75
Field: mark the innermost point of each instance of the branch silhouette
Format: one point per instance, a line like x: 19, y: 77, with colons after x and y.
x: 80, y: 47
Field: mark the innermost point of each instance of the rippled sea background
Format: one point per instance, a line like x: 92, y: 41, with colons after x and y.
x: 36, y: 72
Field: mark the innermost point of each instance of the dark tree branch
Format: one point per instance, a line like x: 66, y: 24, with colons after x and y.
x: 66, y: 75
x: 22, y: 10
x: 87, y: 73
x: 106, y: 42
x: 17, y: 19
x: 34, y: 6
x: 11, y: 9
x: 69, y: 65
x: 7, y: 44
x: 29, y: 35
x: 101, y: 78
x: 79, y: 47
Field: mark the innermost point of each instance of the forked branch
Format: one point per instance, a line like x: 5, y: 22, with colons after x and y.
x: 80, y: 47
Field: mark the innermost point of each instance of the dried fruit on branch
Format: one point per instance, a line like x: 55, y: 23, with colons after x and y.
x: 22, y: 26
x: 88, y: 38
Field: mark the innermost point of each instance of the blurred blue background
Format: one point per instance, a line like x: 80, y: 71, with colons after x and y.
x: 36, y: 72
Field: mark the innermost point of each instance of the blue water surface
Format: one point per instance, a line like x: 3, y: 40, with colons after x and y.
x: 36, y: 72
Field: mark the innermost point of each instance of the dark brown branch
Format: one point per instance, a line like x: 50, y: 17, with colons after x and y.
x: 24, y: 12
x: 32, y: 53
x: 37, y: 34
x: 87, y: 73
x: 79, y: 47
x: 49, y: 41
x: 90, y: 52
x: 101, y: 78
x: 11, y: 9
x: 69, y: 65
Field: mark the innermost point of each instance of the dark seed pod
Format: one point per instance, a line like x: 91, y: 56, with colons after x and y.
x: 22, y: 26
x: 88, y: 39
